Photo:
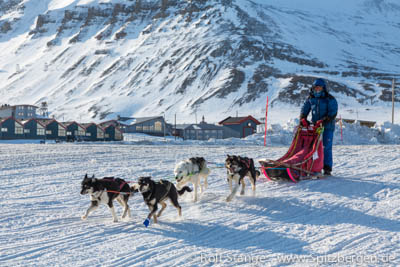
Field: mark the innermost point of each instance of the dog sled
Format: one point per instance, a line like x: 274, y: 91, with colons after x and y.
x: 303, y: 160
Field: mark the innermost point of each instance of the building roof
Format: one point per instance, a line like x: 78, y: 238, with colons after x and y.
x: 203, y: 126
x: 12, y: 118
x: 181, y: 126
x: 238, y: 120
x: 113, y: 122
x: 32, y: 119
x: 126, y: 120
x: 7, y: 106
x: 68, y: 123
x: 46, y: 122
x: 144, y: 119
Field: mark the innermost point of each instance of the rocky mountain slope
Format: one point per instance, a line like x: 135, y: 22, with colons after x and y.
x: 94, y: 60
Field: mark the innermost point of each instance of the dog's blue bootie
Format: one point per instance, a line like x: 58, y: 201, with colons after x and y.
x: 146, y: 222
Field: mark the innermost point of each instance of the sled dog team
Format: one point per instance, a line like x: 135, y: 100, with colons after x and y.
x: 193, y: 170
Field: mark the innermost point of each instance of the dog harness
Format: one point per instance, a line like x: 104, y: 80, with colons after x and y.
x: 122, y: 184
x: 246, y: 162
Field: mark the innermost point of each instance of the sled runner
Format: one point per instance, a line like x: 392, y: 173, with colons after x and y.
x: 303, y: 160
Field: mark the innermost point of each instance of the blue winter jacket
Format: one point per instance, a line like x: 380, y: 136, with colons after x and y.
x: 324, y: 108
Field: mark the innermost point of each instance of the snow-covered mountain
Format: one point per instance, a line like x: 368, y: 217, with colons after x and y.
x: 96, y: 59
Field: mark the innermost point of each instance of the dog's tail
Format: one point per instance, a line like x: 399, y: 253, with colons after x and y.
x: 182, y: 191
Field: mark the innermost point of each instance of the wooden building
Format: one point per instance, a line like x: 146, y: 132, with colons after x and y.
x: 33, y: 129
x: 93, y: 132
x: 155, y: 126
x: 245, y: 126
x: 54, y: 130
x: 112, y: 133
x: 10, y: 128
x: 75, y: 131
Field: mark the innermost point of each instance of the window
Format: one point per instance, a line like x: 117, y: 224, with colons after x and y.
x: 81, y: 132
x: 118, y: 135
x: 61, y: 132
x: 40, y: 131
x: 4, y: 130
x: 158, y: 126
x: 19, y: 129
x: 69, y: 133
x: 100, y: 133
x: 48, y: 132
x: 88, y: 134
x: 107, y: 135
x: 139, y: 128
x: 27, y: 130
x: 145, y: 128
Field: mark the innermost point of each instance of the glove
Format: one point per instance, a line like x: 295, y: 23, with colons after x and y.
x: 318, y: 123
x: 146, y: 222
x: 304, y: 122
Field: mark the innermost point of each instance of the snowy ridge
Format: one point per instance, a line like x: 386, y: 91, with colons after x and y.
x: 94, y: 60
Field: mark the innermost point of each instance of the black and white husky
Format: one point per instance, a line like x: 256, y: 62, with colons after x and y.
x: 237, y: 168
x: 104, y: 191
x: 155, y: 193
x: 192, y: 170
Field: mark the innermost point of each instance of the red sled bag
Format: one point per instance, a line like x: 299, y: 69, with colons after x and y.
x: 303, y: 160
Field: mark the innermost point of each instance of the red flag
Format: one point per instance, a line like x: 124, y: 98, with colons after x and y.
x: 266, y: 117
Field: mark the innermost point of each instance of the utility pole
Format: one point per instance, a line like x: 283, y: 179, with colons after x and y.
x: 165, y: 124
x: 175, y: 127
x: 392, y: 102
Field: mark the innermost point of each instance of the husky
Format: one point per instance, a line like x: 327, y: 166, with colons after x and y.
x: 237, y: 168
x: 155, y: 193
x: 104, y: 191
x: 192, y: 170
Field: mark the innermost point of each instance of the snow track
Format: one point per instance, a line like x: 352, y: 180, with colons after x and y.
x: 349, y: 219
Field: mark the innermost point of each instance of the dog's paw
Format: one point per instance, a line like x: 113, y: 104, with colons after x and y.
x: 83, y: 217
x: 242, y: 193
x: 228, y: 199
x: 115, y: 220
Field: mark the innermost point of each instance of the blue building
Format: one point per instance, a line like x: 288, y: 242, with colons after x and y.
x: 54, y: 129
x: 19, y: 112
x: 112, y: 133
x: 245, y: 126
x: 75, y: 131
x: 116, y: 123
x: 33, y: 129
x: 11, y: 129
x: 204, y: 131
x: 93, y: 132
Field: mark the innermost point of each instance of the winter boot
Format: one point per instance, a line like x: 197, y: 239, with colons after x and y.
x: 327, y: 170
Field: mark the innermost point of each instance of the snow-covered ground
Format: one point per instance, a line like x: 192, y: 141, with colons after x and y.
x: 351, y: 218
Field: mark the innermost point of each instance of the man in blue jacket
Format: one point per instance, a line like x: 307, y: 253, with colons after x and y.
x: 323, y: 106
